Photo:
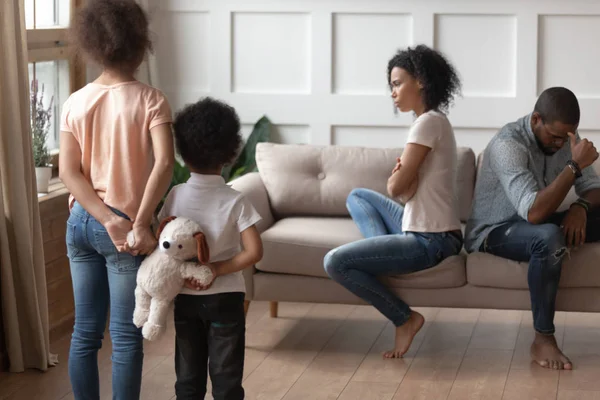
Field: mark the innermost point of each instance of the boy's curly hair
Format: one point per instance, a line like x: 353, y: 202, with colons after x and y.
x: 438, y: 77
x: 207, y: 134
x: 112, y: 33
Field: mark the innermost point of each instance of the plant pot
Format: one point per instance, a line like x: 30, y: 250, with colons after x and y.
x: 42, y: 178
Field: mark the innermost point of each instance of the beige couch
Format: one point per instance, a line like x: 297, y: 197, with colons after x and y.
x: 301, y: 192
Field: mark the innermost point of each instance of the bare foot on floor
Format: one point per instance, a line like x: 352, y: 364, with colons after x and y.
x: 405, y: 335
x: 545, y: 352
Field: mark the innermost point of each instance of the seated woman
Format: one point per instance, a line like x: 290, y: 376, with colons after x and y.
x: 426, y: 230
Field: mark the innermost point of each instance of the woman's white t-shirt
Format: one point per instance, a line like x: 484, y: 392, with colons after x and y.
x: 434, y: 207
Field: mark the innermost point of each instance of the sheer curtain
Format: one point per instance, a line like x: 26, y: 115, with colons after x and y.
x: 22, y: 270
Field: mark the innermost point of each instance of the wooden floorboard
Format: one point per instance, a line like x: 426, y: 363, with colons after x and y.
x: 326, y: 351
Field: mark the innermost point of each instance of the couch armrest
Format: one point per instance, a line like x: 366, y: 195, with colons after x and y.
x: 251, y: 186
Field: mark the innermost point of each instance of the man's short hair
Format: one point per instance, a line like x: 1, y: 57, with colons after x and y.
x: 558, y: 104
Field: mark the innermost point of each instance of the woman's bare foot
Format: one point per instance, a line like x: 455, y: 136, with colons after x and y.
x: 405, y: 335
x: 545, y: 352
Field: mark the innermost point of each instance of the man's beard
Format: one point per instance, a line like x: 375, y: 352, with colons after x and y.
x: 546, y: 150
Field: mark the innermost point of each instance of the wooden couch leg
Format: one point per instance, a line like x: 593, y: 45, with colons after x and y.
x: 274, y: 305
x: 246, y: 307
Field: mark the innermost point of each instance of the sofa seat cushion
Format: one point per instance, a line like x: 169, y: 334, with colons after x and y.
x: 298, y: 245
x: 580, y: 270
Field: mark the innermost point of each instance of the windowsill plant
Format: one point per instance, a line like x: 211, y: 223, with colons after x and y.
x: 40, y: 127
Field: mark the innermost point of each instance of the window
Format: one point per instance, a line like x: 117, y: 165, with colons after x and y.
x: 41, y: 14
x: 50, y: 61
x: 53, y: 79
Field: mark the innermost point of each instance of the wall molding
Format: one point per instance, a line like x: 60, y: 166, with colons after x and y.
x: 506, y: 58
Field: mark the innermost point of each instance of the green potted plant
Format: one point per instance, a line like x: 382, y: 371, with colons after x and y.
x: 40, y: 127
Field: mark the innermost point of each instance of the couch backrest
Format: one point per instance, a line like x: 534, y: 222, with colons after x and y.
x: 316, y: 180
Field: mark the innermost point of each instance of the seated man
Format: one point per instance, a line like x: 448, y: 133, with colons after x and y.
x: 527, y: 170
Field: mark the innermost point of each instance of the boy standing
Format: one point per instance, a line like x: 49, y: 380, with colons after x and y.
x: 210, y: 323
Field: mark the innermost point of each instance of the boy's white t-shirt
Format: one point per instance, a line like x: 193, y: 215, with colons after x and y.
x: 434, y: 207
x: 223, y: 213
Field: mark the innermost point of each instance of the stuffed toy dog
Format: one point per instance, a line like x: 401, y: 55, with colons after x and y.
x: 162, y: 274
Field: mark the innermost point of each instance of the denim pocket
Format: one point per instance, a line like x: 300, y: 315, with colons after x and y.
x: 70, y: 239
x: 123, y: 262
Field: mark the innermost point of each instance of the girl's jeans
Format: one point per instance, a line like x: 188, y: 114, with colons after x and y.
x: 102, y: 278
x: 387, y: 250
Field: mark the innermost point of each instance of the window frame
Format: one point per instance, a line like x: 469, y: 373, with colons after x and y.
x: 52, y: 44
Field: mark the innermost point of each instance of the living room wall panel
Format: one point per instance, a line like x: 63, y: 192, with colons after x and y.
x: 362, y: 45
x: 317, y: 68
x: 271, y: 53
x: 369, y: 136
x: 186, y: 37
x: 285, y: 134
x: 470, y: 137
x: 570, y: 53
x: 483, y: 49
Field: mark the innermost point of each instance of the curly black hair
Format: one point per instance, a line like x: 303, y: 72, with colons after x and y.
x: 438, y: 77
x: 207, y: 134
x: 112, y: 33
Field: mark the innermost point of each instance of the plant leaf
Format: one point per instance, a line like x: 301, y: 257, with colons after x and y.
x: 246, y: 160
x: 180, y: 174
x: 226, y: 172
x: 238, y: 172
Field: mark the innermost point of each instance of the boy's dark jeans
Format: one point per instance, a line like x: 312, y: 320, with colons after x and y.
x: 544, y: 247
x: 209, y: 330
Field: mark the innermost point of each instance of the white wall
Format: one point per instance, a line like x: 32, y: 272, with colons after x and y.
x: 317, y: 68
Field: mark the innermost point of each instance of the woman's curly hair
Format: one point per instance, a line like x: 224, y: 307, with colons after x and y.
x: 112, y: 33
x: 207, y: 134
x: 434, y: 72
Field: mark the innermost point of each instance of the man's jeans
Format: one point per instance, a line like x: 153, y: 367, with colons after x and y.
x: 387, y: 250
x: 544, y: 247
x: 209, y: 330
x: 102, y: 278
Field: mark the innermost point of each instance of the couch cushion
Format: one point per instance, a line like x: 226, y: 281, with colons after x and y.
x: 298, y: 246
x: 580, y: 269
x: 316, y: 180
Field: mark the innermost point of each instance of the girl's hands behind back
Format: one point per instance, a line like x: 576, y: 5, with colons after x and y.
x: 145, y: 242
x: 117, y: 228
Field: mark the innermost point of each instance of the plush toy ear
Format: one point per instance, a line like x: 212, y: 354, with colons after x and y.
x: 163, y: 223
x: 203, y: 252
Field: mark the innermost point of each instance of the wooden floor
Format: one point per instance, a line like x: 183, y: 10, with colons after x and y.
x: 318, y: 351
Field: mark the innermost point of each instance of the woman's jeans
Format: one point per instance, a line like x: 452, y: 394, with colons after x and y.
x: 387, y: 250
x: 102, y: 278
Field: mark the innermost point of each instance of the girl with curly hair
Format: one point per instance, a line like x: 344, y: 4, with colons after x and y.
x: 423, y: 228
x: 116, y: 159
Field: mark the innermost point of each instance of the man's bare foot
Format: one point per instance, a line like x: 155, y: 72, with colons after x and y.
x: 405, y: 335
x: 545, y: 352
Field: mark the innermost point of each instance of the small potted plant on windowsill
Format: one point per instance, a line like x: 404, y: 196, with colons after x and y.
x: 40, y: 126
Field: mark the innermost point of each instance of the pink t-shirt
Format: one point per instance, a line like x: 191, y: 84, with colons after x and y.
x: 112, y: 125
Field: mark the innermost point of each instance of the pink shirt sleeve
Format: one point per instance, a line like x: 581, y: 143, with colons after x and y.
x: 65, y: 123
x: 425, y: 131
x: 159, y: 110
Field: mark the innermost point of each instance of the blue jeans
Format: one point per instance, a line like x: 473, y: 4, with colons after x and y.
x: 102, y: 278
x: 544, y: 247
x: 387, y: 250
